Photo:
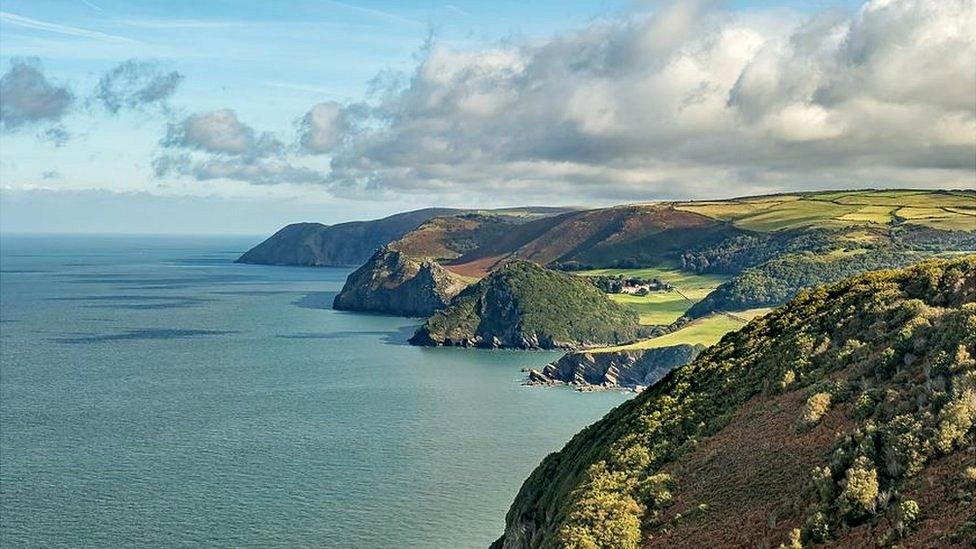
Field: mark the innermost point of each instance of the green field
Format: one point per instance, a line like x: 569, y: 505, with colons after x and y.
x: 705, y: 331
x: 658, y: 308
x: 952, y: 210
x: 662, y: 308
x: 683, y: 280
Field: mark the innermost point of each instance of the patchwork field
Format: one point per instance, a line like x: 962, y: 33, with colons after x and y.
x: 948, y: 210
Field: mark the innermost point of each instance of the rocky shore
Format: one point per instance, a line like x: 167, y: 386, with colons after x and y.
x: 635, y: 369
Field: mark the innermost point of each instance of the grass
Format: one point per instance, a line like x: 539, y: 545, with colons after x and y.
x: 941, y: 210
x: 871, y: 214
x: 705, y: 331
x: 662, y: 308
x: 659, y: 308
x: 790, y: 215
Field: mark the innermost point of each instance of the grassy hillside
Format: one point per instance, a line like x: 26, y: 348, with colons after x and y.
x: 845, y: 416
x: 701, y: 331
x: 947, y: 210
x: 523, y: 305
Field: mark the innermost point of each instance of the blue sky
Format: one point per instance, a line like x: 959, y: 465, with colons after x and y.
x: 270, y: 62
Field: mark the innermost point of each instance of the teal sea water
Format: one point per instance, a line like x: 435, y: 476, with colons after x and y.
x: 154, y: 394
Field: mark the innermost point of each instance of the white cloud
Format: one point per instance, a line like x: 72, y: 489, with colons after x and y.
x: 27, y: 96
x: 217, y: 145
x: 221, y: 132
x: 688, y: 98
x: 323, y: 127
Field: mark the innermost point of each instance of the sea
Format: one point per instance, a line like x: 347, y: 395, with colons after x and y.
x: 153, y: 393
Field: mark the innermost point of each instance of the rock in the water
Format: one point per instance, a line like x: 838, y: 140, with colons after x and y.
x: 525, y: 306
x: 635, y: 369
x: 393, y: 283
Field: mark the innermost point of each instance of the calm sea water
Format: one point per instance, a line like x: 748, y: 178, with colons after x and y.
x: 152, y: 393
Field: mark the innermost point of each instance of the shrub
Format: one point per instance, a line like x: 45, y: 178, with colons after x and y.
x: 905, y: 449
x: 858, y: 498
x: 955, y: 420
x: 864, y: 405
x: 605, y: 514
x: 906, y: 516
x: 789, y: 377
x: 823, y: 483
x: 817, y: 527
x: 815, y: 408
x: 794, y: 541
x: 969, y: 474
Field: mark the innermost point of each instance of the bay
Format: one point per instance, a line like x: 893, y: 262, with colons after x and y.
x: 155, y: 394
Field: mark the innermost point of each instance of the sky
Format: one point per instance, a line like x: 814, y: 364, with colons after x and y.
x: 240, y: 116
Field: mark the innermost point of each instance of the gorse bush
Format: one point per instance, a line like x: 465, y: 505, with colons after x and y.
x: 816, y: 406
x: 860, y: 493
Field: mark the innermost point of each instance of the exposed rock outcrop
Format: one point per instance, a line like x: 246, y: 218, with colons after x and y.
x: 393, y: 283
x: 635, y: 369
x: 524, y: 306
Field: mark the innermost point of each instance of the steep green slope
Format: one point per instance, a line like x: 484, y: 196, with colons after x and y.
x: 845, y: 415
x: 523, y: 305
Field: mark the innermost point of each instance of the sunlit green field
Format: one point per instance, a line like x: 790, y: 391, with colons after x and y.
x: 952, y: 210
x: 660, y: 307
x: 663, y: 307
x: 705, y: 331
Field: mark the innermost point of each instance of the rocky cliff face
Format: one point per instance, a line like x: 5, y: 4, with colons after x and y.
x: 635, y: 369
x: 525, y: 306
x: 393, y: 283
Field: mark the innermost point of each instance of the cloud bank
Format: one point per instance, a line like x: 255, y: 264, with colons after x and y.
x: 688, y: 101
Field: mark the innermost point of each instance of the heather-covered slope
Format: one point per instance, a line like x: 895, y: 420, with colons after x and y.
x: 345, y: 244
x: 523, y: 305
x: 845, y: 416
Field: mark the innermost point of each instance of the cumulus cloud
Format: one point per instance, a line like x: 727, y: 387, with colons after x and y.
x: 27, y: 96
x: 217, y: 145
x: 221, y: 132
x: 686, y: 100
x: 323, y: 127
x: 136, y: 84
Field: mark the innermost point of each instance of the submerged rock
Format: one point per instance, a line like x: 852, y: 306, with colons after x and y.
x: 393, y: 283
